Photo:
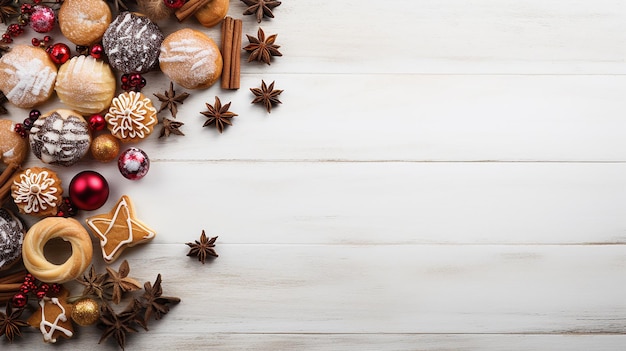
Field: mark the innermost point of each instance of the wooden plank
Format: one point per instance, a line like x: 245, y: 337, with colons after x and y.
x: 333, y: 342
x: 383, y: 289
x: 414, y: 118
x: 450, y: 37
x: 374, y: 203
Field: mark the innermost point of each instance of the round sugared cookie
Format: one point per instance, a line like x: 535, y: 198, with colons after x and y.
x: 191, y: 59
x: 85, y: 84
x: 132, y: 43
x: 83, y: 22
x: 37, y: 191
x: 13, y: 148
x: 11, y: 238
x: 131, y: 117
x: 60, y: 137
x: 27, y: 76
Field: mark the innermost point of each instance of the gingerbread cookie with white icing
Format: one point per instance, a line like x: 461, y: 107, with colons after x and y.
x: 27, y: 76
x: 53, y: 317
x: 119, y: 229
x: 131, y: 117
x: 37, y: 191
x: 60, y: 137
x: 132, y: 43
x: 11, y: 238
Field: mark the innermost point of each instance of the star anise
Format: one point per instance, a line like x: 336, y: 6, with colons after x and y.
x: 203, y: 247
x: 94, y: 284
x: 117, y: 325
x: 170, y: 127
x: 169, y: 100
x: 154, y: 302
x: 261, y: 8
x: 262, y: 49
x: 7, y: 10
x: 10, y: 322
x: 267, y: 95
x: 218, y: 115
x: 120, y: 282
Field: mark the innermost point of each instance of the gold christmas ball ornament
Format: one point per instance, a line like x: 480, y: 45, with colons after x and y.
x: 86, y: 312
x: 105, y: 148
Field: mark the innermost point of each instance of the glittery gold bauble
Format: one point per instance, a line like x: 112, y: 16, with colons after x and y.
x: 86, y: 312
x: 105, y: 148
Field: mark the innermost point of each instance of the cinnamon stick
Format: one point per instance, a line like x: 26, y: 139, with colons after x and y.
x: 189, y: 8
x: 5, y: 181
x: 228, y: 26
x: 10, y: 287
x: 16, y: 277
x: 235, y: 68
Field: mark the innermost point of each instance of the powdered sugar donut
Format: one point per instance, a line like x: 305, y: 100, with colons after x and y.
x: 60, y: 137
x: 191, y: 59
x: 27, y: 76
x: 132, y: 43
x: 85, y: 84
x: 11, y: 238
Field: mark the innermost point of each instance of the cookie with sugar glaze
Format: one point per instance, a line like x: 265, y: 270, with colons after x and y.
x: 27, y: 76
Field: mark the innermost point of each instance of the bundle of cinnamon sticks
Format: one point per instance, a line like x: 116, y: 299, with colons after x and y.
x: 231, y: 52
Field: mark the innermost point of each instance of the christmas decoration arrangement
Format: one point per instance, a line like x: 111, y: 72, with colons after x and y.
x: 92, y: 55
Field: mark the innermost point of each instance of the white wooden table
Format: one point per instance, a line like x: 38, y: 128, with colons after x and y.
x: 442, y: 175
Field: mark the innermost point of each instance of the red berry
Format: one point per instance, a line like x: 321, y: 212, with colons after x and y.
x: 59, y: 53
x: 47, y: 39
x: 34, y: 114
x: 28, y: 123
x: 174, y: 4
x: 19, y: 300
x: 135, y: 79
x: 35, y: 41
x: 96, y: 51
x: 18, y: 127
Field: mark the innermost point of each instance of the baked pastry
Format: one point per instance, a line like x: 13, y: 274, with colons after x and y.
x: 37, y: 191
x: 119, y: 229
x: 67, y: 229
x: 85, y: 84
x: 132, y: 43
x: 131, y: 117
x: 191, y: 59
x: 13, y: 148
x: 212, y: 13
x: 83, y: 22
x: 60, y: 137
x: 11, y: 238
x: 27, y: 76
x: 53, y: 317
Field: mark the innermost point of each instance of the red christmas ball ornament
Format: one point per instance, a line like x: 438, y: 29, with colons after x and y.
x: 42, y: 19
x: 174, y: 4
x: 133, y: 163
x: 96, y: 51
x: 97, y: 123
x: 59, y: 53
x: 19, y: 300
x: 89, y: 190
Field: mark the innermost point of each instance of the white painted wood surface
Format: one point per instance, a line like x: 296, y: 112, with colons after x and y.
x: 442, y: 175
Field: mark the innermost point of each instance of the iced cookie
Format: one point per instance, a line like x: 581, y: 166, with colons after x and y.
x: 37, y: 191
x: 11, y: 238
x: 191, y: 59
x: 119, y: 229
x: 27, y: 76
x: 85, y: 84
x: 53, y: 317
x: 131, y: 117
x: 60, y: 137
x: 132, y: 43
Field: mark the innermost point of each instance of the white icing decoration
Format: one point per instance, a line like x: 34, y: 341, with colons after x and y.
x: 36, y: 191
x: 47, y: 334
x: 130, y: 116
x: 33, y: 76
x: 123, y: 208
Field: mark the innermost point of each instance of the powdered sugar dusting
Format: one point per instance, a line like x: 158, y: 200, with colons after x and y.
x: 34, y: 79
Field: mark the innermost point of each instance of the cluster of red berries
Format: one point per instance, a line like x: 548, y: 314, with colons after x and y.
x: 67, y: 208
x: 13, y: 30
x: 134, y: 82
x: 23, y: 128
x: 32, y: 286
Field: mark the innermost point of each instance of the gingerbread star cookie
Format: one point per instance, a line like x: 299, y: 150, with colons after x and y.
x: 53, y: 317
x: 119, y: 229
